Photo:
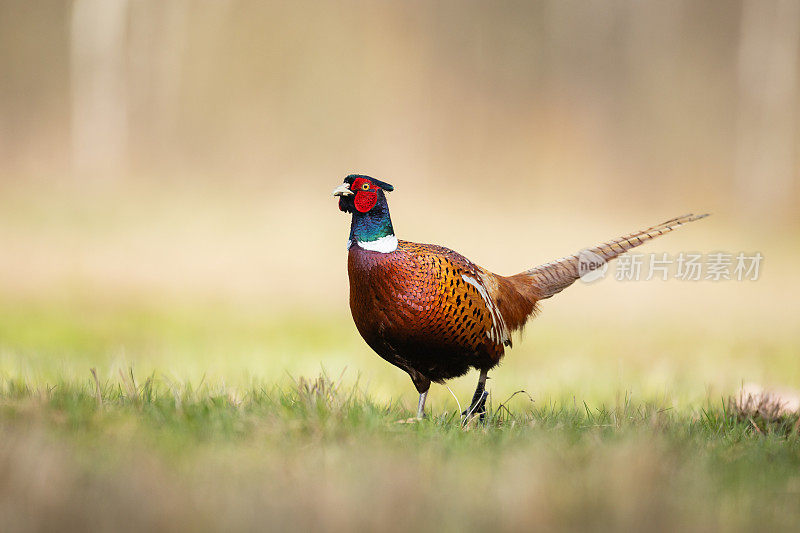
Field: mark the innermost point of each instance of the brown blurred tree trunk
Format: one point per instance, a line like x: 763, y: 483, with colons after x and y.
x: 98, y: 79
x: 766, y: 165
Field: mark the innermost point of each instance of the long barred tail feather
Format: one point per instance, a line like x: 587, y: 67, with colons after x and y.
x: 552, y: 278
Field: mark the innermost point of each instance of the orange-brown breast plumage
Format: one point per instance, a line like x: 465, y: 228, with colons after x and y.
x: 431, y: 311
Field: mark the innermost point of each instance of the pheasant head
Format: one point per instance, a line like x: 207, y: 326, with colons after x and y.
x: 365, y: 199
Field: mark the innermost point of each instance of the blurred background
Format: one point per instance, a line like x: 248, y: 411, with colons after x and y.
x: 166, y: 168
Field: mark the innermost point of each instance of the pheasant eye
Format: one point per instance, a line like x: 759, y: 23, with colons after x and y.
x: 365, y: 186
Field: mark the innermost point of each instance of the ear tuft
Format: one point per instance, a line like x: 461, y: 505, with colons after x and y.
x: 383, y: 185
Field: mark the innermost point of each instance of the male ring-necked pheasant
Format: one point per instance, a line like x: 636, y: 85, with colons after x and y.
x: 431, y: 311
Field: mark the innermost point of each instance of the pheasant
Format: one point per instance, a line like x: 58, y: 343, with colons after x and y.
x: 434, y: 313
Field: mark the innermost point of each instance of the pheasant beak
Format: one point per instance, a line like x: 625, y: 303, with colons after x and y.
x: 343, y: 190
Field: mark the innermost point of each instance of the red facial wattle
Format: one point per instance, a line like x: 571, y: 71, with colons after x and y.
x: 365, y: 199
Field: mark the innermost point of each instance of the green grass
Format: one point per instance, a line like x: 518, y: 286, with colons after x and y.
x: 317, y: 454
x: 205, y: 418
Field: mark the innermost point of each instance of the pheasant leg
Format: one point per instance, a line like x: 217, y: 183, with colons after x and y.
x: 478, y: 404
x: 421, y: 406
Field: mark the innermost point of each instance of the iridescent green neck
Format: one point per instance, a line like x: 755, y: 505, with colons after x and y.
x: 372, y: 225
